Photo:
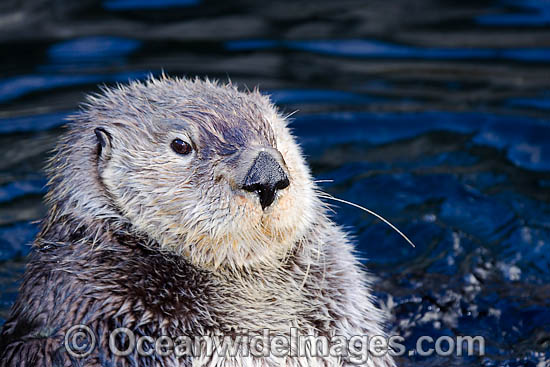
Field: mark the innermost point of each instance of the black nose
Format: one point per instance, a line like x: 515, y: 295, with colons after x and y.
x: 265, y: 177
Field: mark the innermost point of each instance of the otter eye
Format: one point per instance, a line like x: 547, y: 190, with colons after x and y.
x: 181, y: 147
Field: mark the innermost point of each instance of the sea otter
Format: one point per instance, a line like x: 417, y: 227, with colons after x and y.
x: 182, y: 207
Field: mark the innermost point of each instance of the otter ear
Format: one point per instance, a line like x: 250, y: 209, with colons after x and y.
x: 104, y: 143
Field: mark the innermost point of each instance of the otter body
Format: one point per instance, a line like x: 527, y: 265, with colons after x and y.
x: 184, y: 208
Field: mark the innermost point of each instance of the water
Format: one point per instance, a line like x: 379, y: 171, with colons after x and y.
x: 434, y: 114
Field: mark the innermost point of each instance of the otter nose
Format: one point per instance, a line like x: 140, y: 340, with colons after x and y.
x: 265, y: 177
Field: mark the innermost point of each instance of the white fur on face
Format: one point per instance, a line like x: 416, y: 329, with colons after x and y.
x: 180, y: 202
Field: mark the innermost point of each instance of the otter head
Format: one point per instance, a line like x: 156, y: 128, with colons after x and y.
x: 202, y: 169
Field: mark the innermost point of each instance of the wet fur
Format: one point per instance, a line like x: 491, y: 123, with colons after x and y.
x: 128, y: 242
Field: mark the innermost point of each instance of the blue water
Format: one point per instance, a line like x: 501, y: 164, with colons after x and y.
x: 435, y: 116
x: 377, y: 49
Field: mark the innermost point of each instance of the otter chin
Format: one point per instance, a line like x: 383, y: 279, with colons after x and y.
x: 185, y: 207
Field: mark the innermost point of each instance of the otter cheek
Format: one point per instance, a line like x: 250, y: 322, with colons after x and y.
x: 285, y: 205
x: 240, y: 200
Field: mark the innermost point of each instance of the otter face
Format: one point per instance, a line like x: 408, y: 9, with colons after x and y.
x: 204, y: 170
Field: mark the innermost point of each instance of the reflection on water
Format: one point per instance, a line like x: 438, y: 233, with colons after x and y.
x: 381, y: 50
x: 434, y: 114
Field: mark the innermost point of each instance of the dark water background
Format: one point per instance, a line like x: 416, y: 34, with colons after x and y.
x: 436, y: 114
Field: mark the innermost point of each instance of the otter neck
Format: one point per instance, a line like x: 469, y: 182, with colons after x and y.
x: 67, y: 230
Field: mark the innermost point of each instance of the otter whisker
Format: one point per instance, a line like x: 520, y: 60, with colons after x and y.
x: 328, y: 196
x: 288, y: 115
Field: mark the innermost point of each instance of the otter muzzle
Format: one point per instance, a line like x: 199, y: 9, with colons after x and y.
x: 265, y: 177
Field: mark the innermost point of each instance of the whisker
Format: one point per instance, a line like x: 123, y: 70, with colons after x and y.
x: 322, y: 181
x: 291, y: 114
x: 328, y: 196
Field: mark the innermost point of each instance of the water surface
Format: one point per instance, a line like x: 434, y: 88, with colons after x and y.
x: 433, y: 114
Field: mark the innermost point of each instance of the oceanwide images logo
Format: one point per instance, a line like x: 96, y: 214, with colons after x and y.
x: 80, y: 342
